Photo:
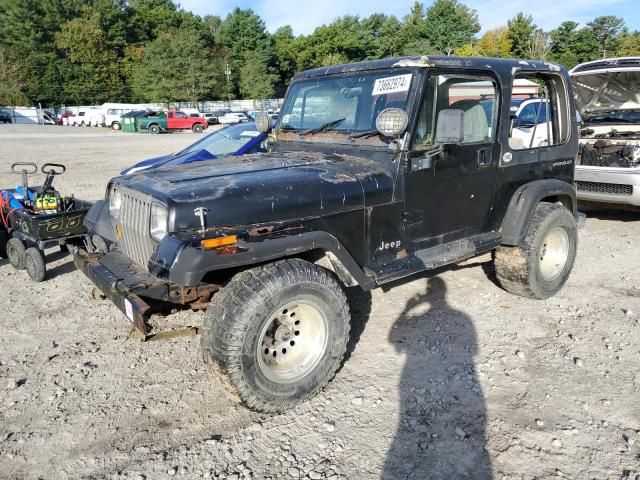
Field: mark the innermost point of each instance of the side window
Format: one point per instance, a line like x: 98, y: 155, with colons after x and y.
x: 544, y: 121
x: 476, y: 96
x: 180, y: 115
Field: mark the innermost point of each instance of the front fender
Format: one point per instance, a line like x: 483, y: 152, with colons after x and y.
x: 523, y: 202
x: 184, y: 264
x: 98, y: 221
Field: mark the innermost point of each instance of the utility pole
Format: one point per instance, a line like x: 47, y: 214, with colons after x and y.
x: 227, y: 72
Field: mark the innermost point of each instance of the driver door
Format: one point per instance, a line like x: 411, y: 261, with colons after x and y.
x: 450, y: 187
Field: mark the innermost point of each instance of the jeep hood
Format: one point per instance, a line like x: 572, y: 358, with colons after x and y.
x: 600, y: 91
x: 264, y: 188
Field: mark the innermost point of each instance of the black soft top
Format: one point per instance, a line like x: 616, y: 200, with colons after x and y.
x: 471, y: 63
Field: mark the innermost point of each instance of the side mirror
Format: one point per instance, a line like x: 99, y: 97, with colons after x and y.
x: 263, y: 122
x: 392, y: 122
x: 450, y: 126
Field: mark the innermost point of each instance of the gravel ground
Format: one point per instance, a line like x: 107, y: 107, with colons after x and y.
x: 448, y: 376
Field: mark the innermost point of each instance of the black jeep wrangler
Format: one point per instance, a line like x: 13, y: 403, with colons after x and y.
x: 375, y: 171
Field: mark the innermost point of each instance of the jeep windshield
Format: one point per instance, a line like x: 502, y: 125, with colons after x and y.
x: 346, y: 104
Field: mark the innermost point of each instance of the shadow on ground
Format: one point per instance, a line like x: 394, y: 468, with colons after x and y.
x: 441, y: 428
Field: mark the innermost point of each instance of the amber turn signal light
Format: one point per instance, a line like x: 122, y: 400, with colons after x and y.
x: 210, y: 243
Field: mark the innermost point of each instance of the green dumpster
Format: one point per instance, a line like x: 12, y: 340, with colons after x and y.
x: 128, y: 120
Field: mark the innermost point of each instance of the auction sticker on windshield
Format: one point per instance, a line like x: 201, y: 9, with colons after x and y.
x: 399, y: 83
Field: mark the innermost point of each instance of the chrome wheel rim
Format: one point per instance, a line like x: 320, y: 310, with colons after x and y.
x: 554, y: 253
x: 292, y: 342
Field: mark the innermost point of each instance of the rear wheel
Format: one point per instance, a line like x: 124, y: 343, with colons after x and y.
x: 197, y: 128
x: 115, y: 125
x: 35, y: 264
x: 541, y: 266
x: 16, y: 253
x: 276, y: 334
x: 154, y: 129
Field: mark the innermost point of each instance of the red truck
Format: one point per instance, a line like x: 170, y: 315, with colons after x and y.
x: 172, y: 120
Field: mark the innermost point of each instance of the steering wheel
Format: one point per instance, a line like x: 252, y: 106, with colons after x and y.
x: 53, y: 169
x: 33, y: 168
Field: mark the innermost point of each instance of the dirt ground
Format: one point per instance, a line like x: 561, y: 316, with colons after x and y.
x: 448, y: 376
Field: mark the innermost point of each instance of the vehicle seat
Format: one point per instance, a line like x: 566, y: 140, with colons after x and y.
x: 476, y: 126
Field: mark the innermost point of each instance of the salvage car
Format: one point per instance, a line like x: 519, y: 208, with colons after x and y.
x: 231, y: 140
x: 377, y: 170
x: 5, y: 116
x: 608, y: 100
x: 171, y: 120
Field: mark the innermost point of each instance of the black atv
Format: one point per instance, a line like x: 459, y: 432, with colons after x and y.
x: 35, y: 218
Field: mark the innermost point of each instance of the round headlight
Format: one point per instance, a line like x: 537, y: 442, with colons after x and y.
x: 115, y: 203
x: 158, y: 222
x: 392, y: 122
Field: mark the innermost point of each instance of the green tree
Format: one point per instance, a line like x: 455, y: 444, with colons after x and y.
x: 494, y: 43
x: 629, y: 44
x: 607, y: 30
x: 520, y: 31
x: 449, y: 24
x: 150, y: 18
x: 27, y: 31
x: 92, y: 73
x: 11, y: 84
x: 381, y: 31
x: 243, y: 31
x: 283, y: 51
x: 173, y: 70
x: 570, y: 45
x: 344, y: 37
x: 255, y: 79
x: 412, y: 37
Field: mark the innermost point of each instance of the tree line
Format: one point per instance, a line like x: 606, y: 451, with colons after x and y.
x: 57, y: 52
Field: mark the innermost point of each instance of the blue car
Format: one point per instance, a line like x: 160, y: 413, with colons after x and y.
x: 233, y: 140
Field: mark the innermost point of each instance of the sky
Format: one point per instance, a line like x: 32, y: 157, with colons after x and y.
x: 305, y: 16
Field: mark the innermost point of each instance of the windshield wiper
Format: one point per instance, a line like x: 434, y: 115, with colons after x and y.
x: 365, y: 134
x: 324, y: 127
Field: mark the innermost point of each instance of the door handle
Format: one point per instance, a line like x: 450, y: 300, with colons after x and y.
x: 484, y: 157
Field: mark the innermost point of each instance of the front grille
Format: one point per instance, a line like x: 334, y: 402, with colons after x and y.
x: 134, y: 220
x: 608, y: 188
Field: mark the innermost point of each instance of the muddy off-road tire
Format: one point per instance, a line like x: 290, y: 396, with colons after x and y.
x: 16, y: 253
x: 276, y: 334
x: 35, y: 264
x: 540, y: 267
x: 4, y: 238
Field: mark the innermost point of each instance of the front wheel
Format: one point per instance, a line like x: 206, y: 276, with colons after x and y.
x: 197, y: 128
x: 35, y: 264
x: 541, y: 266
x: 276, y: 334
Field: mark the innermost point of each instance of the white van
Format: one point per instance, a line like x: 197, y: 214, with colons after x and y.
x: 113, y: 111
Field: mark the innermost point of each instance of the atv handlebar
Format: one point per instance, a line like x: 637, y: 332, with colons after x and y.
x: 53, y: 169
x: 34, y: 168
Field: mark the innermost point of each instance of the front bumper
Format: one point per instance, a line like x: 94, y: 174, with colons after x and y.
x: 608, y: 185
x: 115, y: 288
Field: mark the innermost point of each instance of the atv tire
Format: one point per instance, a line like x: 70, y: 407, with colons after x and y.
x: 16, y: 253
x: 540, y: 267
x: 35, y: 264
x: 276, y: 334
